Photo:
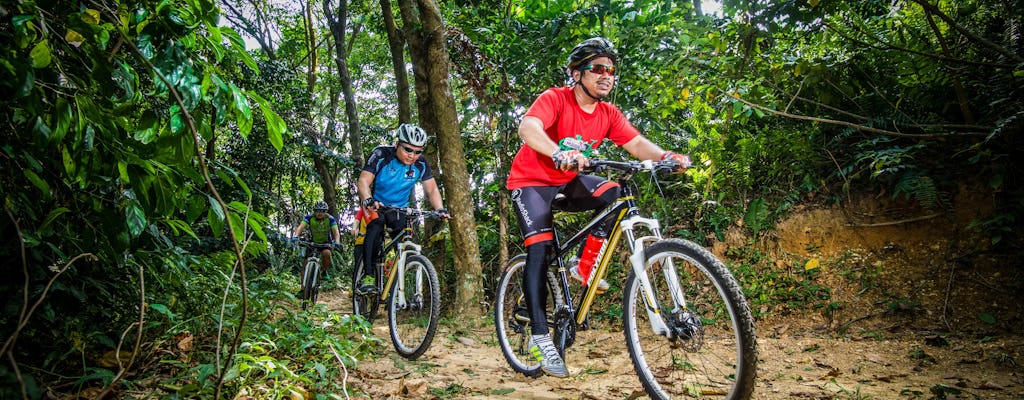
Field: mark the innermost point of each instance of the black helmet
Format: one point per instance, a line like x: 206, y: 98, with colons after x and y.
x: 588, y: 50
x: 320, y: 206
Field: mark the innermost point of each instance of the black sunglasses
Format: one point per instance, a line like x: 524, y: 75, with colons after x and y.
x: 410, y: 149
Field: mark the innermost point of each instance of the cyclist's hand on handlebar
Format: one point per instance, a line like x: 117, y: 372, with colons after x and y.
x: 442, y: 213
x: 371, y: 203
x: 682, y: 160
x: 566, y: 160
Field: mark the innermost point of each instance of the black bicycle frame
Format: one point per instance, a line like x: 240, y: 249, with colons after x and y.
x: 624, y: 206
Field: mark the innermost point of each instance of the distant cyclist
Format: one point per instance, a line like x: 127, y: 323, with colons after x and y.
x: 560, y: 129
x: 323, y: 229
x: 387, y: 179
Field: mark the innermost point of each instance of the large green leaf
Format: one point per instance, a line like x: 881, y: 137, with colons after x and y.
x: 243, y: 114
x: 276, y: 127
x: 40, y: 55
x: 37, y: 181
x: 135, y: 218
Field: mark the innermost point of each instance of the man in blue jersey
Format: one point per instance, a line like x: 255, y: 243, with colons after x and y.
x: 387, y: 179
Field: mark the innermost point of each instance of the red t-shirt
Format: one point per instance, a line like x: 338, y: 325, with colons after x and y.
x: 562, y: 118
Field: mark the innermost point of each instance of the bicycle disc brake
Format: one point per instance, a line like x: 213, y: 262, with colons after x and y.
x: 565, y: 329
x: 687, y: 328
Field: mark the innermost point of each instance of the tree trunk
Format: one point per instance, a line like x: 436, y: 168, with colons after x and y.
x: 337, y: 21
x: 424, y: 32
x: 397, y: 43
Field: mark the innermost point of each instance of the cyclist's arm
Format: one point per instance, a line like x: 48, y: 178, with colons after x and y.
x: 300, y: 229
x: 531, y: 130
x: 363, y: 185
x: 433, y: 193
x: 643, y: 149
x: 336, y: 234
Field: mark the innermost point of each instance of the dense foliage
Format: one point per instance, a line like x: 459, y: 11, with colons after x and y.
x: 152, y: 161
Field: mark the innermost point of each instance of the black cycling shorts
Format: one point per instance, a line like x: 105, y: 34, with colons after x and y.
x: 533, y: 203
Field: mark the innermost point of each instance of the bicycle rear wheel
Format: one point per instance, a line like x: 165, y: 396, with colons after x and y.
x: 310, y: 284
x: 414, y: 307
x: 365, y: 303
x: 709, y: 347
x: 511, y: 317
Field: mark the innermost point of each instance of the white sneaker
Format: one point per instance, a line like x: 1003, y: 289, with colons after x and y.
x: 574, y: 272
x: 543, y: 349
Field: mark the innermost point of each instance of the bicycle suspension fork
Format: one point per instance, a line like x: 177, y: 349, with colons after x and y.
x: 637, y: 245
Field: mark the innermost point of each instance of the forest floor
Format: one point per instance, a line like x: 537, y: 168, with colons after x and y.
x: 924, y: 327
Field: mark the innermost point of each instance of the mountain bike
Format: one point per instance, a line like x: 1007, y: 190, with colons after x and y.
x: 688, y: 328
x: 311, y: 272
x: 409, y: 288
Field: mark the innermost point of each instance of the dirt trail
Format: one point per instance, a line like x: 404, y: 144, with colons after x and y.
x: 895, y: 279
x: 466, y: 363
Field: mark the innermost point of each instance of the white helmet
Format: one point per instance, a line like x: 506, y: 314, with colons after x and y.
x: 411, y: 134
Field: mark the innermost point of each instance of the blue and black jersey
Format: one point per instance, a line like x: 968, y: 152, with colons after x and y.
x: 393, y: 181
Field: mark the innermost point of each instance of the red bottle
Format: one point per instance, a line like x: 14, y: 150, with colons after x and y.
x: 591, y: 252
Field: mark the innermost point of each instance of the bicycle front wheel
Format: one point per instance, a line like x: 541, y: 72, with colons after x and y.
x: 310, y: 284
x: 512, y: 317
x: 365, y: 303
x: 414, y: 307
x: 696, y: 336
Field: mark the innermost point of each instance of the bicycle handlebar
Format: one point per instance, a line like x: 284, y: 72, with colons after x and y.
x: 599, y: 165
x: 412, y: 212
x: 310, y: 244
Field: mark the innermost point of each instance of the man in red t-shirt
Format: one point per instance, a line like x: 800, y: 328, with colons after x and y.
x: 575, y: 118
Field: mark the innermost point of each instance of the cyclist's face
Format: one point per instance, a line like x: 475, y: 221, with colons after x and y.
x: 320, y: 214
x: 598, y: 84
x: 408, y: 153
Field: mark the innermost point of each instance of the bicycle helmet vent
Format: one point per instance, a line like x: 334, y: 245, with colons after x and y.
x: 320, y: 206
x: 590, y: 49
x: 412, y: 134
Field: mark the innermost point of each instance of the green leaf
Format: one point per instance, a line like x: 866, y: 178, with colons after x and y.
x: 64, y: 118
x: 276, y: 127
x: 216, y: 222
x: 37, y: 181
x: 237, y: 226
x: 52, y: 216
x: 40, y: 55
x: 162, y: 309
x: 243, y: 114
x: 177, y: 119
x: 41, y: 129
x: 135, y: 218
x: 179, y: 226
x: 238, y: 45
x: 215, y: 208
x: 257, y: 228
x: 122, y: 169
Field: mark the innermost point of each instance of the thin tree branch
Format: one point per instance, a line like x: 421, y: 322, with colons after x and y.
x: 883, y: 45
x: 857, y: 126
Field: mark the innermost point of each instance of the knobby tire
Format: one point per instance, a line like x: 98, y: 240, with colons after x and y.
x: 413, y: 316
x: 512, y: 331
x: 714, y: 353
x: 309, y: 285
